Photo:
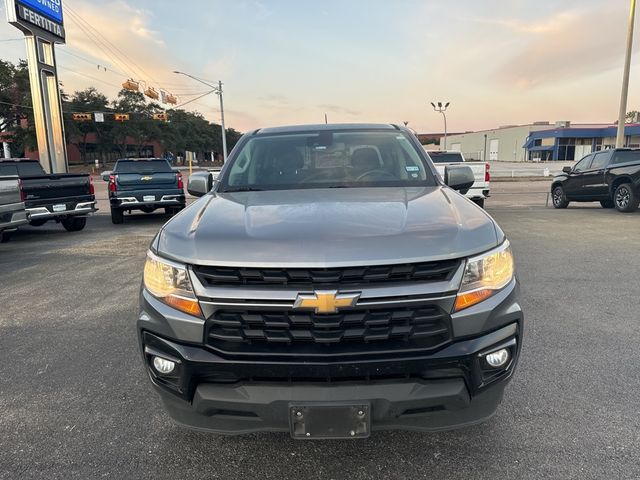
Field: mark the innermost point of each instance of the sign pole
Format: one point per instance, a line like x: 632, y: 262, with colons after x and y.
x: 43, y: 27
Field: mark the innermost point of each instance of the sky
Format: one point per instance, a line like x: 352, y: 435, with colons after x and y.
x: 498, y: 62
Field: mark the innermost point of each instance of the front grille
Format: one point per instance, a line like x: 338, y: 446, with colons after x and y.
x: 310, y: 277
x: 360, y: 331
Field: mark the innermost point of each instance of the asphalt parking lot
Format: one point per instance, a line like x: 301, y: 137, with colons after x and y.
x: 75, y: 402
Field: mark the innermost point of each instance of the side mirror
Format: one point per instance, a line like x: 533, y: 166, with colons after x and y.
x: 566, y: 169
x: 199, y: 183
x: 459, y: 178
x: 105, y: 175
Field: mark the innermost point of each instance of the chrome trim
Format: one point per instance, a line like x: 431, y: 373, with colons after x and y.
x: 80, y: 209
x: 125, y: 201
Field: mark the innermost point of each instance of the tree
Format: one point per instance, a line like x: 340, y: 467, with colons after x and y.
x: 88, y: 100
x: 15, y: 106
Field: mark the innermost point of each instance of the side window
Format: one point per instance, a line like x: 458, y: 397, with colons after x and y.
x: 600, y: 160
x: 583, y: 164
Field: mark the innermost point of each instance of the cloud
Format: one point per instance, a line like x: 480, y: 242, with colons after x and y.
x: 339, y: 109
x: 564, y: 46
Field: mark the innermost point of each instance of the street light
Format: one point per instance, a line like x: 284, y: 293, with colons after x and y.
x: 218, y: 91
x: 625, y: 78
x: 442, y: 108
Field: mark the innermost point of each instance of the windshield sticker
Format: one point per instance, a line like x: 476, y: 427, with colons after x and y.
x: 412, y: 168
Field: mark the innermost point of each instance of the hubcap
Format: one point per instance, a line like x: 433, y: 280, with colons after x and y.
x: 622, y: 197
x: 557, y: 196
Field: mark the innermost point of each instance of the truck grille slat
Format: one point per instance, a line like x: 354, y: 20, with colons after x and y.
x: 285, y: 332
x: 309, y: 277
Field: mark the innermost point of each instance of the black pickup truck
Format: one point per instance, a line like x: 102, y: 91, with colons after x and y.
x: 64, y: 197
x: 144, y: 184
x: 611, y: 177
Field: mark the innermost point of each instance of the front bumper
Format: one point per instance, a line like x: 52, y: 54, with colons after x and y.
x: 446, y: 388
x: 47, y: 213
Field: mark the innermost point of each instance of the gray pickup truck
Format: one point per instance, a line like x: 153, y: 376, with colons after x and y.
x: 330, y: 283
x: 12, y: 209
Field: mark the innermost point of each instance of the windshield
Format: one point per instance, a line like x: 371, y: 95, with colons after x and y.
x: 327, y: 159
x: 142, y: 166
x: 439, y: 157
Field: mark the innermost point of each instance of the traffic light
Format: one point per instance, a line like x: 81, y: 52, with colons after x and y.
x: 163, y: 117
x: 81, y: 117
x: 121, y: 117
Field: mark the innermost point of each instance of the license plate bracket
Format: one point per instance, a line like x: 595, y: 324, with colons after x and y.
x: 59, y: 207
x: 330, y: 421
x: 149, y: 198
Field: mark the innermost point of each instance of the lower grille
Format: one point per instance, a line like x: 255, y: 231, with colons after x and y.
x: 360, y: 331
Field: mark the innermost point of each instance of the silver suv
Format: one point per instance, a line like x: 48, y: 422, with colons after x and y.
x: 328, y: 284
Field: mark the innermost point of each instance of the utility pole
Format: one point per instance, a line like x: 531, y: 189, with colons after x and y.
x: 442, y: 108
x: 224, y: 131
x: 625, y: 77
x: 218, y: 91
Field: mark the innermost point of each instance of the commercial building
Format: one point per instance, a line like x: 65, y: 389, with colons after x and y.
x: 538, y: 141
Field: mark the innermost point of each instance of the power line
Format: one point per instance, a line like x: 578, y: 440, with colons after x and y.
x: 66, y: 52
x: 11, y: 39
x: 124, y: 55
x: 88, y: 76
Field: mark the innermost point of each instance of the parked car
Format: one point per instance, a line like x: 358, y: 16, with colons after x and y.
x: 63, y: 197
x: 611, y: 177
x: 144, y: 184
x: 481, y: 186
x: 12, y: 209
x: 329, y: 283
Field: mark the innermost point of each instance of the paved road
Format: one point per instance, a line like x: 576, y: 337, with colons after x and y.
x: 75, y: 403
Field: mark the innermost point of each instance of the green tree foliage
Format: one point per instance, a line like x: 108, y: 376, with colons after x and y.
x: 184, y: 131
x: 15, y: 106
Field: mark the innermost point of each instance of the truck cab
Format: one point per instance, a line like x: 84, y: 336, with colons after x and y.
x: 480, y: 189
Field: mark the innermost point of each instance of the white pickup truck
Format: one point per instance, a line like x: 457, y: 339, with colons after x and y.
x: 480, y: 189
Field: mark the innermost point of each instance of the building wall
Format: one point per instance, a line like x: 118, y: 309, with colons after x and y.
x: 509, y: 143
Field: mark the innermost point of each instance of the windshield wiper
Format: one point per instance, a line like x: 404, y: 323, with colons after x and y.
x: 242, y: 189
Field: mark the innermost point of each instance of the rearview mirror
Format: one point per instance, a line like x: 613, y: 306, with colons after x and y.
x: 459, y: 178
x: 566, y: 169
x: 199, y: 183
x: 105, y: 175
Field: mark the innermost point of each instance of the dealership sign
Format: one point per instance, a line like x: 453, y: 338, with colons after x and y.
x: 31, y: 15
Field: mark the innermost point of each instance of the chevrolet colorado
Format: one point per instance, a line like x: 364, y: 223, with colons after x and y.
x: 329, y: 283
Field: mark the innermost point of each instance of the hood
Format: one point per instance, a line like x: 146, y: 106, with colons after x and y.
x: 328, y: 227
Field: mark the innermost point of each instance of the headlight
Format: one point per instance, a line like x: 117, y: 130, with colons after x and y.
x: 169, y: 282
x: 484, y: 276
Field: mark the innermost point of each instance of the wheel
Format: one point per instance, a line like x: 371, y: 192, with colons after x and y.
x: 117, y: 216
x: 608, y: 203
x: 37, y: 223
x: 5, y: 236
x: 74, y: 224
x: 478, y: 201
x: 624, y: 199
x: 559, y: 198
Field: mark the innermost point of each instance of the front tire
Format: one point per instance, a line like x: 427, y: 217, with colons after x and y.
x: 117, y: 216
x: 5, y: 236
x: 74, y: 224
x: 625, y: 199
x: 559, y: 198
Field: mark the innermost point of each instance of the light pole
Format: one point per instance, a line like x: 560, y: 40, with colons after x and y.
x: 442, y: 108
x: 218, y: 91
x: 625, y: 78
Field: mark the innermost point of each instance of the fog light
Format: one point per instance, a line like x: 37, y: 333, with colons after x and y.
x: 497, y: 359
x: 163, y: 366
